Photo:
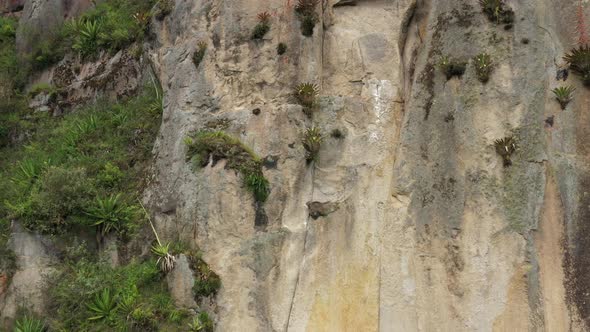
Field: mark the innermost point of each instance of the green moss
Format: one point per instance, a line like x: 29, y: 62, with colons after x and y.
x: 215, y: 145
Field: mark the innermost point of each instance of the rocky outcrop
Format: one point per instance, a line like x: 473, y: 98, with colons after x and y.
x: 35, y: 258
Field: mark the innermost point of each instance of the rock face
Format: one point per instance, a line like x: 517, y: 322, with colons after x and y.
x: 431, y: 232
x: 408, y: 221
x: 35, y: 259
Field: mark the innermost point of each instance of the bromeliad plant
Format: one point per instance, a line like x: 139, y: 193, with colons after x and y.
x: 103, y: 306
x: 305, y: 9
x: 306, y: 93
x: 111, y: 214
x: 312, y: 141
x: 452, y: 67
x: 29, y: 324
x: 262, y: 27
x: 505, y: 147
x: 579, y: 62
x: 166, y: 260
x: 564, y: 95
x: 483, y: 67
x: 199, y: 53
x: 497, y: 11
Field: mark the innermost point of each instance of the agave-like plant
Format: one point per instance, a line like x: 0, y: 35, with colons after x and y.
x: 111, y: 214
x: 29, y: 324
x: 166, y: 260
x: 312, y: 141
x: 564, y: 94
x: 87, y: 40
x: 306, y: 93
x: 483, y: 67
x: 103, y: 306
x: 505, y: 147
x: 579, y: 61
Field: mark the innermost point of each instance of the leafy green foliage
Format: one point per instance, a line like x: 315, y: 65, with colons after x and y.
x: 52, y: 181
x: 305, y: 10
x: 89, y: 36
x: 281, y: 48
x: 497, y: 11
x: 12, y: 78
x: 112, y: 214
x: 579, y: 61
x: 312, y: 141
x: 216, y: 145
x: 563, y: 94
x: 452, y: 67
x: 199, y: 53
x: 103, y: 306
x: 29, y: 324
x: 505, y: 147
x: 93, y: 296
x: 201, y: 323
x: 166, y: 261
x: 207, y: 282
x: 483, y: 67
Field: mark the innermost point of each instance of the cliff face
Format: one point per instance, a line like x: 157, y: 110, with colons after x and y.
x: 407, y: 222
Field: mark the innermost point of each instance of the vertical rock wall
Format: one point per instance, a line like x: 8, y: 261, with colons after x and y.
x: 409, y: 222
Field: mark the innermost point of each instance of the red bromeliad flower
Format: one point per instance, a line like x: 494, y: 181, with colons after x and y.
x: 263, y: 17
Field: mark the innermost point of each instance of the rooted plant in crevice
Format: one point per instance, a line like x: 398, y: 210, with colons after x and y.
x: 483, y: 67
x: 262, y: 27
x: 579, y: 62
x: 312, y: 141
x: 206, y: 146
x: 281, y: 48
x: 497, y: 11
x: 308, y: 18
x: 452, y: 67
x: 564, y: 95
x: 306, y: 94
x: 505, y: 147
x: 199, y: 53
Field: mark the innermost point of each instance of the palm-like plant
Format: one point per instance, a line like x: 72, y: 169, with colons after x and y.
x: 111, y: 214
x: 103, y: 306
x: 483, y: 67
x: 563, y: 94
x: 579, y: 61
x: 29, y: 324
x: 505, y: 147
x: 312, y: 140
x: 306, y: 93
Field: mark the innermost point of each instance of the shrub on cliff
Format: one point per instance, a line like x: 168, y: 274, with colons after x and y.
x: 206, y: 146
